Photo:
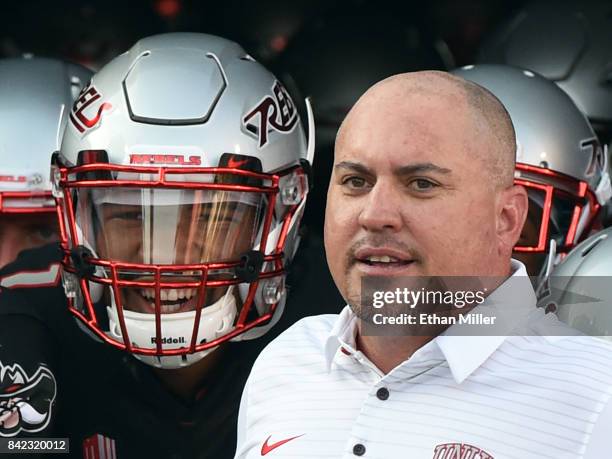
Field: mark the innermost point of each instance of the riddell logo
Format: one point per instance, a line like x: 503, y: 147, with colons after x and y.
x: 165, y: 159
x: 168, y: 340
x: 459, y: 451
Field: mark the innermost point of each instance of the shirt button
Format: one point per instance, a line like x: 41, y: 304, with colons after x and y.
x: 358, y: 449
x: 382, y: 393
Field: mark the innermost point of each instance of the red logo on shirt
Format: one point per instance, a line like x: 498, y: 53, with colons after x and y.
x: 459, y: 451
x: 99, y: 447
x: 266, y: 448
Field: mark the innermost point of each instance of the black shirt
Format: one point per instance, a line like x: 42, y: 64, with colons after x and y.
x: 102, y: 397
x: 99, y: 390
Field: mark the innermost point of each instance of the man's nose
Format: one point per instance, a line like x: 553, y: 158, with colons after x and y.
x: 382, y: 208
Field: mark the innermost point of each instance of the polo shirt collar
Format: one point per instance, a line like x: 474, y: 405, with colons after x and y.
x: 511, y: 303
x: 343, y: 334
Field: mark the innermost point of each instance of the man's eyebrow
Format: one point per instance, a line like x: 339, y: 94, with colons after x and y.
x: 420, y: 168
x: 357, y: 167
x: 409, y: 169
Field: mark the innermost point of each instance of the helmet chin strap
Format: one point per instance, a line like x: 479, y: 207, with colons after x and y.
x: 603, y: 192
x: 215, y: 320
x: 543, y: 279
x: 311, y: 132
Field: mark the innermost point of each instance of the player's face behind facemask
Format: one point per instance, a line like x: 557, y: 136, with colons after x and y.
x: 169, y: 227
x: 544, y: 222
x: 25, y: 231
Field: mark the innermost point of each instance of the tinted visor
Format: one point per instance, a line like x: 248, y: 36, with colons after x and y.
x: 167, y: 226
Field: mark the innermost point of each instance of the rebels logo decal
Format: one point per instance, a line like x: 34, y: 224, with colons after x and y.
x: 89, y: 96
x: 25, y: 401
x: 165, y: 159
x: 276, y: 112
x: 13, y: 178
x: 459, y: 451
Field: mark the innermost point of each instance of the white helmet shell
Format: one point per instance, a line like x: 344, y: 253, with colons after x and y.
x: 36, y: 95
x: 579, y: 286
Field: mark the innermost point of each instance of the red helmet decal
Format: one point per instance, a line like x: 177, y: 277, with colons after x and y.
x: 277, y: 112
x: 89, y: 95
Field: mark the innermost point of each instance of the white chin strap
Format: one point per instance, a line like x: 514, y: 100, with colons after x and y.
x: 311, y: 132
x: 176, y: 330
x: 551, y: 261
x: 604, y: 187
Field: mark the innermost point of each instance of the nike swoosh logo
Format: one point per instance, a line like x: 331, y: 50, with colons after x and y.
x: 235, y: 164
x: 266, y: 448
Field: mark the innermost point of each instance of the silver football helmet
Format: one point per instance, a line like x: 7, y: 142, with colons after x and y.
x: 35, y: 97
x: 578, y: 288
x: 559, y: 159
x: 567, y: 42
x: 182, y: 177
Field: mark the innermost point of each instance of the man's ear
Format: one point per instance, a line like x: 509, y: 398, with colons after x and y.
x: 512, y: 212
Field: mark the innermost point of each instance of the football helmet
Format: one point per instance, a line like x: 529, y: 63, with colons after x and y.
x: 577, y: 289
x: 181, y: 178
x: 35, y: 97
x: 567, y: 42
x: 559, y: 159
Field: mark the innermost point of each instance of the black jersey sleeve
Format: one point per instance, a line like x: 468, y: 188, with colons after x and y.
x: 28, y: 358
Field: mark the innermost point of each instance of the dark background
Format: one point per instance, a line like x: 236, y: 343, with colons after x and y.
x: 92, y: 32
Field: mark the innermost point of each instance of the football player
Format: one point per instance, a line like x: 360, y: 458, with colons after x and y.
x: 181, y: 180
x: 559, y: 160
x: 35, y: 97
x: 567, y: 42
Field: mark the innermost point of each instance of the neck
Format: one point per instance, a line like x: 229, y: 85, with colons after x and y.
x: 387, y: 352
x: 185, y: 382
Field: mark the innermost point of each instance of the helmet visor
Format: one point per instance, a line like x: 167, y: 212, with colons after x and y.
x: 168, y: 227
x: 551, y: 215
x: 137, y: 228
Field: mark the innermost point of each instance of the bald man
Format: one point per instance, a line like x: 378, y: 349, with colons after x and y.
x: 422, y: 193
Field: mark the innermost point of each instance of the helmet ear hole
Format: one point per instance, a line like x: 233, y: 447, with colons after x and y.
x: 596, y: 241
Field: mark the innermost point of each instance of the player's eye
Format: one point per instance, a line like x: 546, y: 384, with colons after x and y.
x: 132, y: 215
x: 125, y: 214
x: 44, y: 232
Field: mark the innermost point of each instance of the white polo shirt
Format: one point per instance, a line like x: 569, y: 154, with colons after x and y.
x: 311, y: 394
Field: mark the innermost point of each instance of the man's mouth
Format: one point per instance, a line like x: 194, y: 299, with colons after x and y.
x: 384, y: 260
x: 373, y: 260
